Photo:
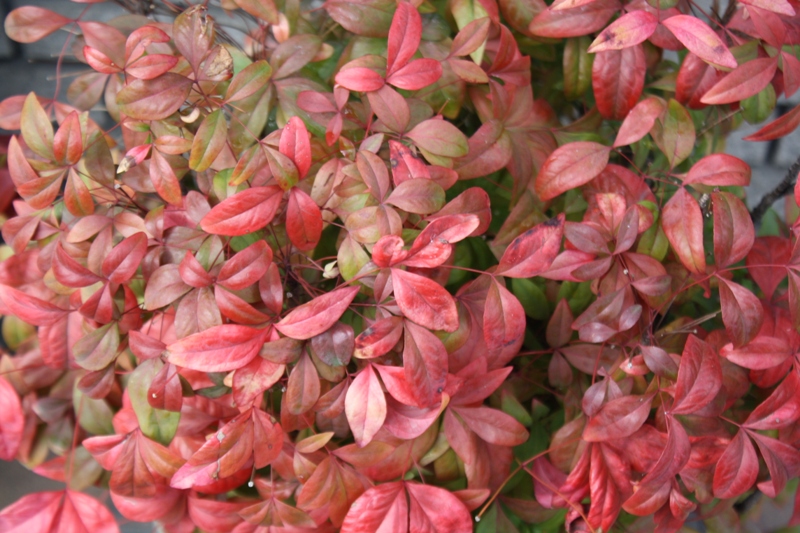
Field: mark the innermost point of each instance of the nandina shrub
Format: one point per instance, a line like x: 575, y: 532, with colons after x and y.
x: 375, y: 266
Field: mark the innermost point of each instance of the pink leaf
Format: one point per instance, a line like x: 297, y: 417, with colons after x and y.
x: 424, y: 301
x: 618, y: 418
x: 244, y: 212
x: 571, y: 166
x: 218, y: 349
x: 318, y: 315
x: 629, y: 30
x: 534, y: 251
x: 701, y: 40
x: 365, y: 406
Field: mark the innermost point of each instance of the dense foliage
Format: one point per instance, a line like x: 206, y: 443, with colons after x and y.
x: 376, y: 266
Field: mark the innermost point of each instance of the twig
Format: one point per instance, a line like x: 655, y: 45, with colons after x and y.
x: 783, y: 188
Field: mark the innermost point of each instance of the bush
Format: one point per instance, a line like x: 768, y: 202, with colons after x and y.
x: 334, y: 267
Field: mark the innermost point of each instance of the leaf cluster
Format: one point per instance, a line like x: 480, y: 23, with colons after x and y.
x: 401, y: 267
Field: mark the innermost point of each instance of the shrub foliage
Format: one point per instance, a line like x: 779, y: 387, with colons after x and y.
x: 385, y: 266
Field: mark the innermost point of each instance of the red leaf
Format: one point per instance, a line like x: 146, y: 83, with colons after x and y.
x: 781, y: 7
x: 165, y: 391
x: 236, y: 309
x: 734, y: 233
x: 742, y: 313
x: 424, y: 365
x: 144, y: 346
x: 318, y: 315
x: 419, y: 196
x: 164, y: 287
x: 503, y: 319
x: 244, y: 212
x: 29, y: 308
x: 737, y: 468
x: 38, y: 192
x: 57, y: 512
x: 470, y: 37
x: 719, y: 169
x: 192, y: 272
x: 360, y: 79
x: 218, y: 349
x: 581, y: 20
x: 388, y: 251
x: 154, y: 99
x: 474, y: 201
x: 618, y: 80
x: 405, y: 34
x: 682, y: 221
x: 151, y: 66
x: 121, y: 263
x: 246, y: 267
x: 365, y: 406
x: 639, y: 120
x: 69, y: 272
x: 746, y: 81
x: 433, y: 245
x: 12, y: 421
x: 379, y: 338
x: 782, y: 460
x: 424, y: 301
x: 382, y: 508
x: 779, y: 127
x: 28, y: 24
x: 695, y: 77
x: 296, y: 146
x: 699, y: 377
x: 571, y: 166
x: 251, y: 380
x: 533, y: 252
x: 650, y: 496
x: 701, y: 40
x: 417, y: 75
x: 250, y: 435
x: 164, y: 179
x: 303, y: 220
x: 490, y: 149
x: 618, y: 418
x: 215, y: 516
x: 759, y: 354
x: 303, y: 387
x: 766, y: 260
x: 630, y: 29
x: 559, y: 328
x: 68, y: 141
x: 493, y: 426
x: 391, y: 108
x: 780, y: 409
x: 436, y: 509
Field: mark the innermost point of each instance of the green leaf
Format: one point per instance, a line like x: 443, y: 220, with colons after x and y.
x: 209, y: 141
x: 36, y: 127
x: 439, y: 137
x: 94, y: 416
x: 158, y: 424
x: 532, y: 298
x: 247, y: 82
x: 577, y: 67
x: 759, y: 107
x: 674, y: 134
x: 98, y: 349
